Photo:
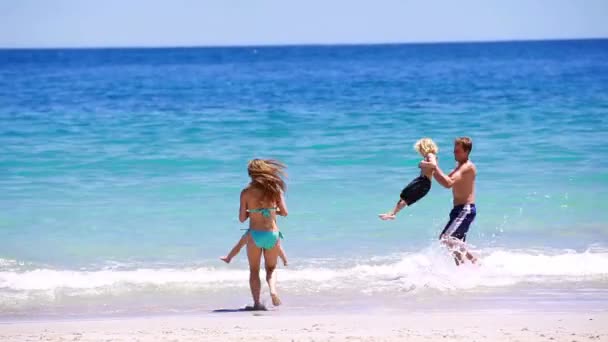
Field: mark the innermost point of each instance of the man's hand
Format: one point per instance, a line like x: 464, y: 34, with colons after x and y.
x: 427, y: 165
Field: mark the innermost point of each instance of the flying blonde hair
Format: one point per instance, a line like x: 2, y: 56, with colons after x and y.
x: 267, y: 175
x: 425, y: 146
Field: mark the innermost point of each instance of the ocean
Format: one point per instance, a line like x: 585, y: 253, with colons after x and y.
x: 121, y: 169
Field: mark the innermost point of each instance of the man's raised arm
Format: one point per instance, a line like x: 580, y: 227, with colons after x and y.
x: 446, y: 180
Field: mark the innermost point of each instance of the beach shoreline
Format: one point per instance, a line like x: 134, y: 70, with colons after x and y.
x: 490, y: 325
x: 526, y: 299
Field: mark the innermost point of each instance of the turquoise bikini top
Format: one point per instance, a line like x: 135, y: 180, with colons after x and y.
x: 264, y: 211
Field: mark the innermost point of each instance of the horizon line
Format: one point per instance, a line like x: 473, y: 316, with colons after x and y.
x: 312, y: 44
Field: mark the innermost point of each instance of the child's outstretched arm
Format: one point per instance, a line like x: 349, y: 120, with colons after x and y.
x: 235, y: 250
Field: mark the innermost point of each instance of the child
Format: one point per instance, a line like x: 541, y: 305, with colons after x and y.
x: 421, y: 185
x: 243, y: 242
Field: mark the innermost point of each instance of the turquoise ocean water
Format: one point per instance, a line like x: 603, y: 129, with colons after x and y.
x: 120, y: 173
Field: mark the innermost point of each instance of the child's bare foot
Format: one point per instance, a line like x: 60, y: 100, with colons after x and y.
x: 285, y: 263
x: 226, y: 259
x: 386, y: 216
x: 276, y: 301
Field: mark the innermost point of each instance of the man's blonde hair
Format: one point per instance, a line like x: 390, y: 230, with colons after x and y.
x: 425, y: 146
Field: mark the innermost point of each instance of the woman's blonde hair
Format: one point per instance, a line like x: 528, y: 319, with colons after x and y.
x: 267, y: 175
x: 425, y: 146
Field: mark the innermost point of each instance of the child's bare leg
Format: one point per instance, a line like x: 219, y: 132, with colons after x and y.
x: 282, y: 255
x: 392, y: 214
x: 235, y: 250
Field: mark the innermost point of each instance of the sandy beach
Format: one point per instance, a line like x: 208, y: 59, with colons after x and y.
x: 272, y: 326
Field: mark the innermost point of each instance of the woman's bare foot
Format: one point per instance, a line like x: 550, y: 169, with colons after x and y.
x: 226, y: 259
x: 276, y: 301
x: 256, y: 307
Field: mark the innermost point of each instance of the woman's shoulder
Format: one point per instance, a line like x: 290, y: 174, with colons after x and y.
x: 250, y: 191
x: 246, y: 190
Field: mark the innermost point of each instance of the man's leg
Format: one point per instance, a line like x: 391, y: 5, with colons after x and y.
x: 455, y: 231
x: 459, y: 248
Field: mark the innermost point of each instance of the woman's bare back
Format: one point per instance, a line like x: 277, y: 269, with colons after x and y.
x: 253, y: 198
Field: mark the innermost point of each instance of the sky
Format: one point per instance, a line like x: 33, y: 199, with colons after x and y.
x: 120, y: 23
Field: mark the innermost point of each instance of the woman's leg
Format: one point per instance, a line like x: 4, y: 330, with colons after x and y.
x: 270, y: 262
x: 254, y: 254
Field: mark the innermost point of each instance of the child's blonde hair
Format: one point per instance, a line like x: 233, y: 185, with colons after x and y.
x: 425, y: 146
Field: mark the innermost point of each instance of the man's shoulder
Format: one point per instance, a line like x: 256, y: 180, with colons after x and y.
x: 471, y: 167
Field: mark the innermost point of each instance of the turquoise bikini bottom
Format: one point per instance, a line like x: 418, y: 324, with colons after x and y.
x: 265, y: 239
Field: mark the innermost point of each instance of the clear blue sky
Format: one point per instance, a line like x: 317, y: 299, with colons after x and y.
x: 90, y: 23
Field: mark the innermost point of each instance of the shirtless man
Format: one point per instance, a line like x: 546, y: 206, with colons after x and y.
x: 462, y: 182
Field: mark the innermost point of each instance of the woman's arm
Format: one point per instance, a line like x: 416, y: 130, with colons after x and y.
x: 243, y: 214
x: 282, y: 207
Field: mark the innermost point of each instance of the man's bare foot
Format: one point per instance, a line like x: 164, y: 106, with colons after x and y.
x: 226, y: 259
x: 276, y: 301
x: 386, y: 217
